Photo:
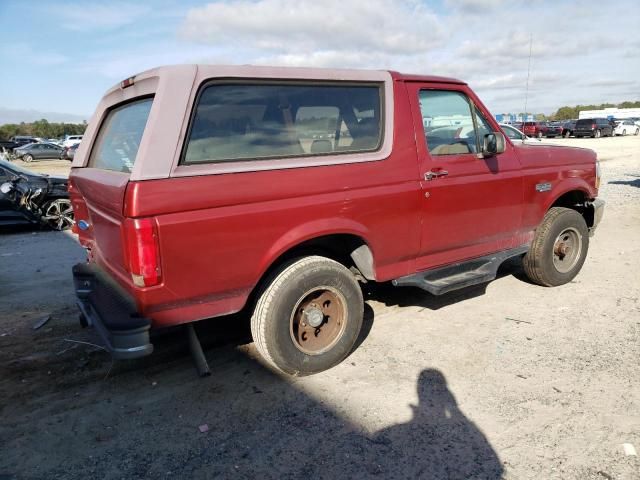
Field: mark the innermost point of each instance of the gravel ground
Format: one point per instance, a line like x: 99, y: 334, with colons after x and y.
x: 507, y: 380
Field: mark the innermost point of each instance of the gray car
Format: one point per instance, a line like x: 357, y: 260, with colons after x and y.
x: 34, y: 151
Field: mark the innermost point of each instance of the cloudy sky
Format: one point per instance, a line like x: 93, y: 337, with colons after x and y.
x: 60, y: 56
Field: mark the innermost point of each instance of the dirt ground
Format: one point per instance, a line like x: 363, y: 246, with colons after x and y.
x: 505, y: 380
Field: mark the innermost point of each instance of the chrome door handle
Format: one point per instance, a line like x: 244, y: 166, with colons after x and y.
x: 430, y: 175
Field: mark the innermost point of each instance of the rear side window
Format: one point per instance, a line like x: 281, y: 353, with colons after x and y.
x: 260, y: 121
x: 119, y: 136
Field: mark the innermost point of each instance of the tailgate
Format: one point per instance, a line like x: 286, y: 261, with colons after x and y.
x: 98, y: 200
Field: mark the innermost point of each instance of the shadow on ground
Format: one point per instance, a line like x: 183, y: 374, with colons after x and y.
x: 68, y: 412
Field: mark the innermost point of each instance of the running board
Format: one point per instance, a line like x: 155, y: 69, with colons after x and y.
x: 459, y: 275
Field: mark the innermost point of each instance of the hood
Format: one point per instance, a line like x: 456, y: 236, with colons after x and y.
x: 540, y: 154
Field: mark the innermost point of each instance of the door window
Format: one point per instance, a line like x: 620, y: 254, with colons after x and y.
x: 447, y: 121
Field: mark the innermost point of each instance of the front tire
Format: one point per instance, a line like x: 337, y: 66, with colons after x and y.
x: 559, y: 248
x: 27, y: 158
x: 308, y: 317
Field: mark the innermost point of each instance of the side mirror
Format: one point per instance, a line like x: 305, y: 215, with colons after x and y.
x: 493, y: 144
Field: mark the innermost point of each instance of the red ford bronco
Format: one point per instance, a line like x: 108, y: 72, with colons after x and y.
x: 202, y: 190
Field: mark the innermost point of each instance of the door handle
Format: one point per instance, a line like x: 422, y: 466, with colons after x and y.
x: 431, y: 174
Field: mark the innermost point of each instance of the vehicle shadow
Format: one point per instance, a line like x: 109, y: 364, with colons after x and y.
x: 631, y: 183
x: 244, y: 421
x: 389, y: 295
x: 68, y: 412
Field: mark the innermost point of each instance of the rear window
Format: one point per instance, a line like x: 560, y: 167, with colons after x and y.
x: 585, y: 122
x: 119, y: 136
x: 260, y: 121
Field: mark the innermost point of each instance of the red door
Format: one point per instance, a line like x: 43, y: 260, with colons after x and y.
x: 472, y: 206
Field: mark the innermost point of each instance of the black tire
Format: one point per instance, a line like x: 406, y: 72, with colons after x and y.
x: 541, y: 263
x: 27, y: 158
x: 624, y: 133
x: 539, y: 135
x: 597, y: 134
x: 567, y: 134
x: 280, y: 303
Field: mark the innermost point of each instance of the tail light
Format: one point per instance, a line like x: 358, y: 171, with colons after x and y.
x: 593, y: 126
x: 143, y: 251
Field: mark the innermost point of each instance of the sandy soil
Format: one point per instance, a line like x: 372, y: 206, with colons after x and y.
x: 507, y: 380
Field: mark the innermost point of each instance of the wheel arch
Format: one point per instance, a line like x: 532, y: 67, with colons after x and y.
x: 577, y: 199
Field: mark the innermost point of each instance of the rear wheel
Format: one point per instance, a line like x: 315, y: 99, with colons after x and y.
x: 637, y: 131
x: 597, y: 134
x: 567, y: 134
x: 559, y: 248
x: 309, y: 316
x: 539, y: 135
x: 58, y: 214
x: 624, y: 133
x: 27, y: 158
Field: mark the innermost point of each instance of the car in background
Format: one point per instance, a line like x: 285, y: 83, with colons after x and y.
x: 593, y: 127
x: 21, y: 140
x: 541, y: 129
x: 71, y: 140
x: 51, y: 206
x: 37, y: 151
x: 626, y: 127
x: 514, y: 134
x: 69, y: 152
x: 568, y: 127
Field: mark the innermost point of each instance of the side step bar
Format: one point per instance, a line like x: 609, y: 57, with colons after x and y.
x: 459, y: 275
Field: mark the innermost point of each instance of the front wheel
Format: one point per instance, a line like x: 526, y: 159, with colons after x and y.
x: 58, y: 214
x: 308, y: 316
x: 539, y: 135
x: 567, y: 134
x: 624, y: 133
x: 559, y: 248
x: 27, y: 158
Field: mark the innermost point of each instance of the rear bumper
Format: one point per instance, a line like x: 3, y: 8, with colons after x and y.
x: 112, y: 312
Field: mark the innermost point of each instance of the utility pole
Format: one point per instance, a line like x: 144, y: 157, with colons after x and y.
x: 526, y: 92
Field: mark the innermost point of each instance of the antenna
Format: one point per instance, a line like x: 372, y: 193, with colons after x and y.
x: 526, y: 92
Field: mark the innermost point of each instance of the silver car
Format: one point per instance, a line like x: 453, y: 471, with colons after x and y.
x: 34, y: 151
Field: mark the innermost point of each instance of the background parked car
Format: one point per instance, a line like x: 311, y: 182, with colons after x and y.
x: 69, y: 152
x: 33, y: 151
x: 514, y: 134
x: 626, y: 127
x: 21, y: 140
x: 593, y: 127
x: 568, y: 128
x: 71, y: 140
x: 541, y: 129
x: 51, y: 207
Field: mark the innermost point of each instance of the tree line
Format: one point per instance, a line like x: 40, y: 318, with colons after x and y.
x: 568, y: 113
x: 42, y: 128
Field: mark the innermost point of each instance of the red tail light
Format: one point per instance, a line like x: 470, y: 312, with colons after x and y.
x: 593, y: 126
x: 143, y: 251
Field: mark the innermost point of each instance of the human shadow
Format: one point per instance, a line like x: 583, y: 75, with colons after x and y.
x: 439, y: 441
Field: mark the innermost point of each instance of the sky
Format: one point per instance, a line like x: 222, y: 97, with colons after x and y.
x: 59, y: 57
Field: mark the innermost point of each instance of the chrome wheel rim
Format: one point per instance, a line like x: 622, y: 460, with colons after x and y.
x: 59, y: 214
x: 566, y: 250
x: 318, y: 320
